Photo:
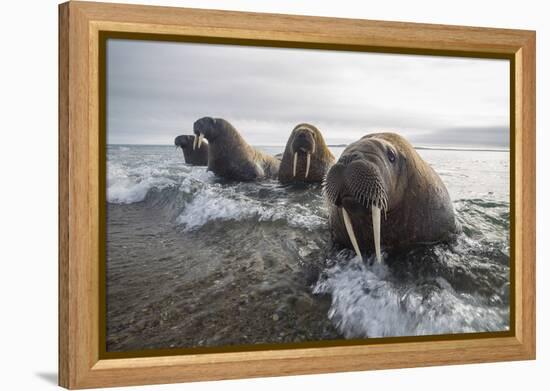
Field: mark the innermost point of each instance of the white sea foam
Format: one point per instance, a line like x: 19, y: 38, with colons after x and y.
x: 129, y: 191
x: 366, y: 303
x: 214, y: 202
x: 204, y: 208
x: 194, y: 179
x: 296, y: 215
x: 126, y: 186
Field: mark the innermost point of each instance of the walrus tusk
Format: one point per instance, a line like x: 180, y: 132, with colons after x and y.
x: 294, y: 164
x: 199, y: 143
x: 376, y: 230
x: 351, y: 234
x: 308, y: 161
x: 313, y: 150
x: 195, y: 139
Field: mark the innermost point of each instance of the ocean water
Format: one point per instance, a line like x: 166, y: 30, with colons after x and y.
x: 193, y: 260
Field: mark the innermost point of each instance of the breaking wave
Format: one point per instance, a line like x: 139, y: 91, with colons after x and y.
x: 126, y: 186
x: 207, y: 199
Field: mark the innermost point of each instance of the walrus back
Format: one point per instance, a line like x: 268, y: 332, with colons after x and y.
x: 232, y: 157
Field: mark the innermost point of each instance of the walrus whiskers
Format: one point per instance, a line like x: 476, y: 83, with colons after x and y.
x: 351, y: 234
x: 308, y: 162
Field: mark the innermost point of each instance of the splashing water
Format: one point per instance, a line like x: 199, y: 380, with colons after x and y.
x: 193, y: 260
x: 374, y: 302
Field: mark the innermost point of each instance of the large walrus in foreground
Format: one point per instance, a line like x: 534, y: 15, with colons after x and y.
x: 229, y: 155
x: 382, y: 174
x: 196, y: 156
x: 306, y: 157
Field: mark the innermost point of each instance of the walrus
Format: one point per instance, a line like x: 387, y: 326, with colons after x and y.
x: 306, y: 157
x: 229, y: 155
x: 382, y: 173
x: 191, y: 154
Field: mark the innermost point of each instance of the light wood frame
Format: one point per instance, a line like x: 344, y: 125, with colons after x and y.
x: 80, y: 24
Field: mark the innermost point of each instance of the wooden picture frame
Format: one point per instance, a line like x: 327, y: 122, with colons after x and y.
x: 81, y: 176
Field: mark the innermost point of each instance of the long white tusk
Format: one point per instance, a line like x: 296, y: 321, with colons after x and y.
x: 351, y: 234
x: 376, y: 230
x: 313, y: 151
x: 308, y: 161
x: 294, y: 164
x: 195, y: 139
x: 199, y: 143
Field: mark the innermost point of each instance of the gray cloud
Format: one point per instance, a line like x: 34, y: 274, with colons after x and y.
x: 157, y: 90
x: 490, y: 136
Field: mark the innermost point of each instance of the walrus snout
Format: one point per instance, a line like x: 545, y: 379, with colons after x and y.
x: 356, y: 180
x: 303, y: 143
x: 354, y: 186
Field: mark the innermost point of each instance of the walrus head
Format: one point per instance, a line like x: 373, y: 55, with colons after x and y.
x: 184, y: 141
x: 366, y: 180
x: 303, y: 142
x: 204, y: 127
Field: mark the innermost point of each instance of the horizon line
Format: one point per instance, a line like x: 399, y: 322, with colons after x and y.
x: 343, y: 145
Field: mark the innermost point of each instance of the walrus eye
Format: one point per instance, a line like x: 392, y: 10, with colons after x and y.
x: 391, y: 155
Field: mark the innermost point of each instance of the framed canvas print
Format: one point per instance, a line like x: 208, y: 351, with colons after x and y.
x: 249, y: 194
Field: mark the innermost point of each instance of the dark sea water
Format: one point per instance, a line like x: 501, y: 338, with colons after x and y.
x: 193, y: 260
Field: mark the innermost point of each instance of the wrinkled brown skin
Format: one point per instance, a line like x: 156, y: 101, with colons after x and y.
x: 195, y: 157
x: 301, y: 140
x: 420, y: 210
x: 230, y: 156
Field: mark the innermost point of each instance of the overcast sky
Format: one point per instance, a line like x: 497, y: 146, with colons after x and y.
x: 156, y: 90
